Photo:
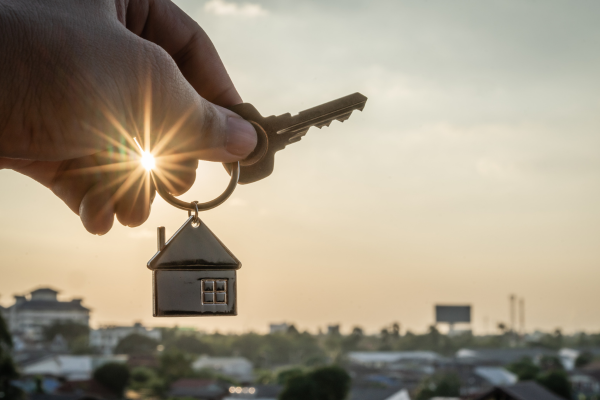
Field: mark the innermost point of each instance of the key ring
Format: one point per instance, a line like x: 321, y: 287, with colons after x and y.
x: 195, y: 206
x: 195, y: 203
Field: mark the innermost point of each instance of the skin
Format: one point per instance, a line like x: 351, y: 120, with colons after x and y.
x: 81, y: 78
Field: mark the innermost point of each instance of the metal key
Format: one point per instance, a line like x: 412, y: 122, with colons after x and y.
x: 275, y: 133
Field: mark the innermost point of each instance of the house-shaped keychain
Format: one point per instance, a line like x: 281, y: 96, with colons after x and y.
x: 193, y: 274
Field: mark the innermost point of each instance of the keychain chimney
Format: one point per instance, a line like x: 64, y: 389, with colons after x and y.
x: 161, y: 238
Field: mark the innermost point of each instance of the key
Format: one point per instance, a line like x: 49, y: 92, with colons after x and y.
x: 276, y: 132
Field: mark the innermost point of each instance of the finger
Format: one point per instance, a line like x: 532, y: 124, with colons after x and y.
x: 165, y: 24
x: 41, y: 171
x: 133, y: 206
x: 177, y: 175
x: 74, y: 179
x: 183, y: 123
x: 97, y: 209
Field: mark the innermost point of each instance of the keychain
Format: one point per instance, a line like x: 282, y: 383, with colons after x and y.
x: 194, y: 274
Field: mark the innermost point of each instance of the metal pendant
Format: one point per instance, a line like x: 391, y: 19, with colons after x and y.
x: 193, y: 274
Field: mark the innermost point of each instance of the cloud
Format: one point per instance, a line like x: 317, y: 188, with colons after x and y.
x: 222, y: 7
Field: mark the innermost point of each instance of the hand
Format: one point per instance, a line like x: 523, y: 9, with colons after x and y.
x: 81, y: 79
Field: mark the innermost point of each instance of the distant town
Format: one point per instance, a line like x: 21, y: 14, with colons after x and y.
x: 49, y: 352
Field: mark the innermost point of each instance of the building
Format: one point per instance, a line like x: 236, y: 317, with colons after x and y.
x: 30, y: 314
x: 70, y: 368
x: 197, y: 388
x: 107, y: 338
x: 278, y: 328
x: 237, y: 368
x: 386, y: 359
x: 519, y: 391
x: 500, y: 356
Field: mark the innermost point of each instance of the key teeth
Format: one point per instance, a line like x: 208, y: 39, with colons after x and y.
x: 323, y: 124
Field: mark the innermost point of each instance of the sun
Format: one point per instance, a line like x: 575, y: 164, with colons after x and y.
x: 147, y: 159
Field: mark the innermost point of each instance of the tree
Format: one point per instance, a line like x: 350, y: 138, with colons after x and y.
x: 557, y: 382
x: 584, y: 359
x: 287, y: 374
x: 145, y: 380
x: 189, y: 344
x: 357, y: 331
x: 68, y: 329
x: 141, y: 376
x: 551, y: 363
x: 325, y: 383
x: 174, y: 365
x: 525, y: 369
x: 8, y: 369
x: 81, y: 345
x: 113, y: 376
x: 439, y: 385
x: 299, y: 387
x: 136, y: 344
x: 395, y: 330
x: 332, y: 383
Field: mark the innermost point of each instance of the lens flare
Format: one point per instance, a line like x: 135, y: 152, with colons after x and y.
x: 147, y: 159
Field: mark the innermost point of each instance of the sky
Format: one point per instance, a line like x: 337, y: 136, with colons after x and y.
x: 473, y: 173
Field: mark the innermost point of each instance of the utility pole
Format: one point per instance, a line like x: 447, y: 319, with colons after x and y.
x: 522, y: 317
x: 512, y: 299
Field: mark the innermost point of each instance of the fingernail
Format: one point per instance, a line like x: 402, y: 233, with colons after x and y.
x: 241, y: 137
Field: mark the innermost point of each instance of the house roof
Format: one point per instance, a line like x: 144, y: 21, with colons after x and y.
x: 45, y: 290
x: 194, y: 248
x: 375, y: 393
x: 222, y: 361
x: 496, y: 375
x: 201, y: 388
x: 521, y: 391
x: 43, y: 305
x: 501, y: 356
x: 392, y: 356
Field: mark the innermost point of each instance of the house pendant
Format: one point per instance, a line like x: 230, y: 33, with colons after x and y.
x: 193, y: 274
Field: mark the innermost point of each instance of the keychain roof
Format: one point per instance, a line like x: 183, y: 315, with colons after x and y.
x: 194, y: 248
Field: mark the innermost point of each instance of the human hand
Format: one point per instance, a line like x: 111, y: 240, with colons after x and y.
x: 81, y: 79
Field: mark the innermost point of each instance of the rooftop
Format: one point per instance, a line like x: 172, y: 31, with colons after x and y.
x: 392, y: 356
x: 520, y: 391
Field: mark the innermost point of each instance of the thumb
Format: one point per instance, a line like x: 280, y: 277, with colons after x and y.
x: 186, y: 125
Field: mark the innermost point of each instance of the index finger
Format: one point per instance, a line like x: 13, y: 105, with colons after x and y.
x: 165, y: 24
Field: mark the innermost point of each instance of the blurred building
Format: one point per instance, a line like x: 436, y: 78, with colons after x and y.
x: 333, y: 329
x: 401, y: 369
x: 30, y: 314
x: 237, y: 368
x: 67, y: 367
x: 197, y: 388
x: 106, y: 339
x: 391, y: 359
x: 501, y: 356
x: 278, y: 328
x: 519, y: 391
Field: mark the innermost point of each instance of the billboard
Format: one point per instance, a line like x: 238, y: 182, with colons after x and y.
x: 453, y: 314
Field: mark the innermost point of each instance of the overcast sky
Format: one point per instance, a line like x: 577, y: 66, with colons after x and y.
x: 473, y: 173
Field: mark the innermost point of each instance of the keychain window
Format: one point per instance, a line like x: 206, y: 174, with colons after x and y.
x: 214, y: 291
